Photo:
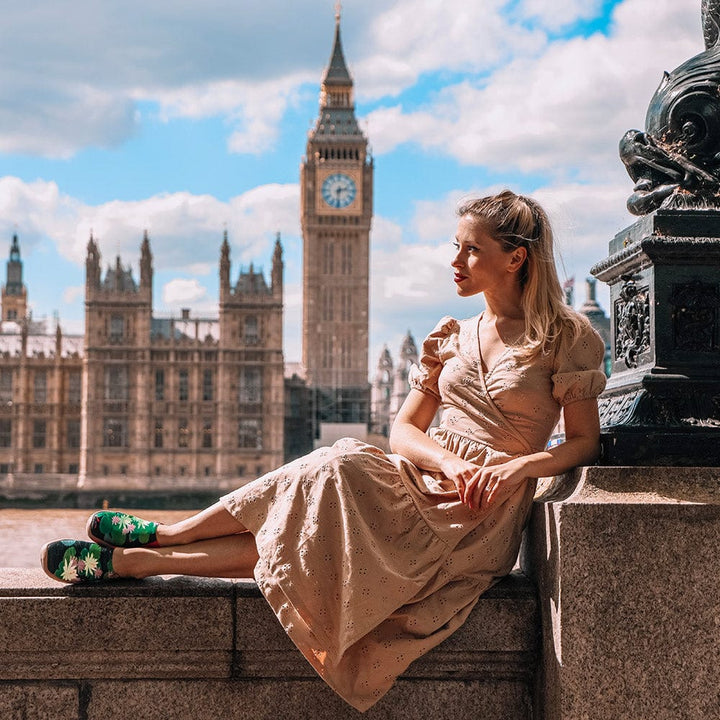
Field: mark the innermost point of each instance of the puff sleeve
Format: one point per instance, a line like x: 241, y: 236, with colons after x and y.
x: 577, y: 373
x: 424, y: 376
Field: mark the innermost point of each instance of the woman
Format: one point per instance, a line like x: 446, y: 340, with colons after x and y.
x: 367, y: 559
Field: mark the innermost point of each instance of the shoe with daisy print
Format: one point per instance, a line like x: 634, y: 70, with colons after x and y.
x: 118, y: 529
x: 77, y: 561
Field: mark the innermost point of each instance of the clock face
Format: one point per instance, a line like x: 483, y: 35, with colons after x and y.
x: 338, y: 190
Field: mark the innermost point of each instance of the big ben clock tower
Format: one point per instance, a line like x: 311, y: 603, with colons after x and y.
x: 336, y: 178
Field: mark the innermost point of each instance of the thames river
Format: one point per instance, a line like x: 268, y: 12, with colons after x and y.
x: 24, y: 532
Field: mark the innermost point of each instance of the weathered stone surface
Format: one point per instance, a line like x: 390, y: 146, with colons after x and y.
x: 212, y: 648
x: 308, y: 700
x: 39, y: 702
x: 142, y: 629
x: 628, y: 572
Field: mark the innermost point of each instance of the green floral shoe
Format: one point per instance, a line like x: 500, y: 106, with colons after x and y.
x: 77, y: 561
x: 118, y: 529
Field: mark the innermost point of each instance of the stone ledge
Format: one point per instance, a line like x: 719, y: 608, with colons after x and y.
x: 189, y: 641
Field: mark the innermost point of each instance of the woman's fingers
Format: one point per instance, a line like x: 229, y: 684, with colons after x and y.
x: 475, y: 488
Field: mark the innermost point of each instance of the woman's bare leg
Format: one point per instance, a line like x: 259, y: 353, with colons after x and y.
x: 231, y: 556
x: 213, y: 522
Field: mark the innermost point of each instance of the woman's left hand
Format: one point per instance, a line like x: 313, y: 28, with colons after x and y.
x: 493, y: 481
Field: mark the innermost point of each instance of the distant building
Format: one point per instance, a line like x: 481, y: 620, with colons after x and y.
x: 381, y: 394
x: 598, y: 319
x: 390, y: 385
x: 40, y: 385
x: 140, y: 396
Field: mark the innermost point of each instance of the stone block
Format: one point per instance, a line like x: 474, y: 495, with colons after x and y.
x: 629, y: 574
x: 198, y: 648
x: 135, y: 629
x: 39, y: 702
x: 306, y: 700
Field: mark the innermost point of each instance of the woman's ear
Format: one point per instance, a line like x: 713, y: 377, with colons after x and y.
x: 517, y: 259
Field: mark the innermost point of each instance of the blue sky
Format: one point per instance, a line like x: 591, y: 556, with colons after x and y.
x: 186, y: 118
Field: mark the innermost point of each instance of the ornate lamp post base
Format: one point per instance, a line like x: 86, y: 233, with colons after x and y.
x: 662, y: 402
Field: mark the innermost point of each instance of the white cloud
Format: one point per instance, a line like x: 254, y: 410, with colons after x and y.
x: 183, y: 292
x: 253, y: 109
x: 411, y: 38
x: 185, y: 230
x: 73, y: 293
x: 64, y: 91
x: 564, y: 108
x: 557, y: 14
x: 385, y: 234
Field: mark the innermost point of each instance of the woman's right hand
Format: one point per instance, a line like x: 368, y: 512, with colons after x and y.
x: 460, y: 471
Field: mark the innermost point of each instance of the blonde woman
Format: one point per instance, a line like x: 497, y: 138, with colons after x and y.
x: 367, y: 559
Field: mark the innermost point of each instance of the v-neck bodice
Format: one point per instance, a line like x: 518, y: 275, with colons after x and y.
x: 485, y: 368
x: 514, y: 405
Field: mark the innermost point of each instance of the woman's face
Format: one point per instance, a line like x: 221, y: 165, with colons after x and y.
x: 480, y: 263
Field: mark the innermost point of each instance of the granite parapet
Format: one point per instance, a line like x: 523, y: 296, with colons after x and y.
x: 209, y: 648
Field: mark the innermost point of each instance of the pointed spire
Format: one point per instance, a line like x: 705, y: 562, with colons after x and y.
x: 276, y: 279
x: 146, y: 270
x: 225, y: 264
x: 337, y: 72
x: 92, y: 264
x: 58, y: 336
x: 92, y: 245
x: 277, y: 254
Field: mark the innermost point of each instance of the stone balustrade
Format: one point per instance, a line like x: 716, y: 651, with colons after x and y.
x: 177, y: 647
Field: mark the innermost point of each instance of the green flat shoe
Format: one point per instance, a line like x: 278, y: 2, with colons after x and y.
x: 77, y: 561
x: 118, y: 529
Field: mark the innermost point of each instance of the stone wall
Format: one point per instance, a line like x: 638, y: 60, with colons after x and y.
x: 177, y: 647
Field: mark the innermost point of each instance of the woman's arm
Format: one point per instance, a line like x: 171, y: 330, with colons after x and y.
x: 409, y: 438
x: 582, y: 445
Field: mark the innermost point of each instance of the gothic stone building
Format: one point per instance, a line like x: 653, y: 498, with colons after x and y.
x: 141, y: 396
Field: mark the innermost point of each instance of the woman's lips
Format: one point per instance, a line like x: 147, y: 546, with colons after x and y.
x: 458, y: 277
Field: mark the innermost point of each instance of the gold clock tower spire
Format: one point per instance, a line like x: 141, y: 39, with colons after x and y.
x: 336, y: 180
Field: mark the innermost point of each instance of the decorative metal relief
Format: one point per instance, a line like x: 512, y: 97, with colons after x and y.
x: 677, y: 407
x: 632, y: 323
x: 617, y: 409
x: 695, y: 316
x: 675, y: 162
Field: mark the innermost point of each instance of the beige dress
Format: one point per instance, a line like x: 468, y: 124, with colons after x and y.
x: 369, y: 561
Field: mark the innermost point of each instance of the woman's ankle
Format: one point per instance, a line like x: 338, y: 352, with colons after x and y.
x: 125, y: 563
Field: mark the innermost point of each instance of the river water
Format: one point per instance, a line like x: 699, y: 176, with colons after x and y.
x: 24, y: 532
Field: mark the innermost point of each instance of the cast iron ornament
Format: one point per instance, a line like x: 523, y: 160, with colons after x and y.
x: 675, y: 163
x: 632, y: 322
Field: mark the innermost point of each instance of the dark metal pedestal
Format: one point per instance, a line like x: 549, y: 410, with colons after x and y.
x: 662, y: 402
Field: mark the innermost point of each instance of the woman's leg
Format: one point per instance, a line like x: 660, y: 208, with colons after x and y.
x: 231, y: 556
x: 213, y: 522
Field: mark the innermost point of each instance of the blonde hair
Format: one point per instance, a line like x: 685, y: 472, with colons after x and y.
x: 519, y: 221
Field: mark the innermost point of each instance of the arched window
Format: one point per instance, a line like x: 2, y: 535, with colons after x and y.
x: 252, y: 337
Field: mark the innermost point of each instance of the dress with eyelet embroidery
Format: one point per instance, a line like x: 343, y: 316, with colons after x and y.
x: 369, y: 561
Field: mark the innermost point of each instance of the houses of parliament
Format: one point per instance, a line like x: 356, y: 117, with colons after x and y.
x: 203, y: 398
